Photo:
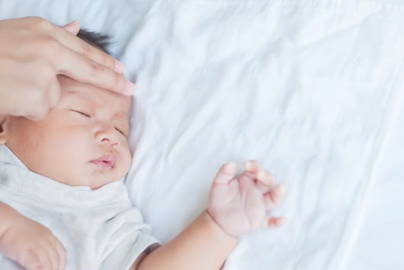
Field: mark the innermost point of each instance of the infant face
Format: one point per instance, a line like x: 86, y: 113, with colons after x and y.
x: 82, y: 142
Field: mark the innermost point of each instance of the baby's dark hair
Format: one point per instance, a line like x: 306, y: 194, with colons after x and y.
x: 96, y: 39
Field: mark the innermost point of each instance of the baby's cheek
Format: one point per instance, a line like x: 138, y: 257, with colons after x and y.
x: 126, y: 161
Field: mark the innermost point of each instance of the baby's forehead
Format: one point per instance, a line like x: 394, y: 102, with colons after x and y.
x: 79, y: 92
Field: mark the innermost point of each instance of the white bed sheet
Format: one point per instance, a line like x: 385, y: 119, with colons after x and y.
x: 310, y: 88
x: 380, y: 241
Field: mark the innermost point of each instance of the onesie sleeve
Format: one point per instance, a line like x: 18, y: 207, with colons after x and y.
x: 131, y: 238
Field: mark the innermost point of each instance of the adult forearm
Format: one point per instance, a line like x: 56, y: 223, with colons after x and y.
x: 201, y: 246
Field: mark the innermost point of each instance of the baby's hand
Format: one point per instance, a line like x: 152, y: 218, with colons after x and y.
x: 32, y: 245
x: 240, y: 204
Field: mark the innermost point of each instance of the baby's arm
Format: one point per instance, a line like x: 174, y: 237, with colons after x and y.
x: 201, y: 246
x: 236, y: 206
x: 29, y: 243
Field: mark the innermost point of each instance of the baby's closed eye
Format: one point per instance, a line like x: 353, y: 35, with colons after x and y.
x: 82, y: 113
x: 121, y: 129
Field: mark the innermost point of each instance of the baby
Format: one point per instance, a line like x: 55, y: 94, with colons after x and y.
x: 61, y: 193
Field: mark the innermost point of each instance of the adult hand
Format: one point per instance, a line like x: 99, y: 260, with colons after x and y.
x: 34, y: 51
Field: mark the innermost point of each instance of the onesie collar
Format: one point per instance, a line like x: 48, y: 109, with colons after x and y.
x: 8, y: 157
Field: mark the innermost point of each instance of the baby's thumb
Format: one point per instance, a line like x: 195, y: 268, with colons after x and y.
x: 73, y: 27
x: 226, y: 173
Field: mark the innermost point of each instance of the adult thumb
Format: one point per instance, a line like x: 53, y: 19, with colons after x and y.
x: 73, y: 27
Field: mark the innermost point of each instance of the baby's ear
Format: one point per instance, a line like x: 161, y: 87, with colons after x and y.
x: 3, y: 129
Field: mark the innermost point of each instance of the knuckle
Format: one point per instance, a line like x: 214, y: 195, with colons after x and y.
x: 86, y: 50
x: 95, y: 68
x: 108, y: 61
x: 34, y: 20
x: 46, y: 71
x: 41, y: 23
x: 92, y: 72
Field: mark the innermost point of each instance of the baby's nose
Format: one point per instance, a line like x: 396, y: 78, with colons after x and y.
x: 107, y: 135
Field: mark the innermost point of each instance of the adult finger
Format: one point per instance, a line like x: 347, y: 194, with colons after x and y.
x: 70, y: 41
x: 82, y: 69
x: 54, y: 92
x: 73, y: 27
x: 226, y: 173
x: 39, y: 115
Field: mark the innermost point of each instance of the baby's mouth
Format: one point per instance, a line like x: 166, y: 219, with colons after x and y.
x: 106, y: 161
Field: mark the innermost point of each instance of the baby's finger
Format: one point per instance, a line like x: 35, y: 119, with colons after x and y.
x: 226, y: 173
x: 44, y: 259
x: 278, y: 194
x: 274, y: 199
x: 252, y: 166
x: 266, y: 181
x: 269, y: 204
x: 276, y: 222
x: 53, y: 258
x: 264, y: 188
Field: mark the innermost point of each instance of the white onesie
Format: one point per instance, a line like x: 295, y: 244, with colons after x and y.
x: 99, y: 229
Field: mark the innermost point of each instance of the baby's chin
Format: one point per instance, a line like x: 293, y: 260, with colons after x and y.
x: 91, y: 179
x: 97, y: 181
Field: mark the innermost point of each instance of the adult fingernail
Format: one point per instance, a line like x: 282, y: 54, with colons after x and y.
x: 129, y: 88
x: 119, y: 67
x: 72, y: 23
x: 248, y: 165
